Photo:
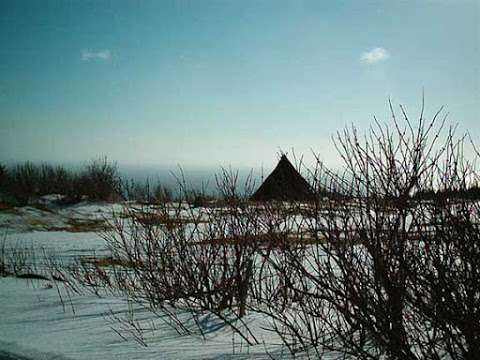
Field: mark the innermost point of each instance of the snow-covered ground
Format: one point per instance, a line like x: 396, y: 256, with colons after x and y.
x: 36, y: 323
x: 49, y: 217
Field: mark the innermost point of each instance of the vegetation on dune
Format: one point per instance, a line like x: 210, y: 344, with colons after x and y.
x: 21, y: 184
x: 99, y: 180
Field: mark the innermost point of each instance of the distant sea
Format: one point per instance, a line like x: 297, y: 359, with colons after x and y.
x: 196, y: 178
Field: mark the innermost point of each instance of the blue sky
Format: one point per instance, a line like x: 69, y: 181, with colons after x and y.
x: 212, y: 83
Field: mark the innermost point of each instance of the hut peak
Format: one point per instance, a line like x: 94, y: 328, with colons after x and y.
x: 284, y: 184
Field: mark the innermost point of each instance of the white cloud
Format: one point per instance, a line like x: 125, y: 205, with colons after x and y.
x: 374, y: 56
x: 101, y: 55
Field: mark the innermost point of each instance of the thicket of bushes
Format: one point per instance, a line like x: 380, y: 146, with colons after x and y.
x: 99, y: 180
x: 21, y: 184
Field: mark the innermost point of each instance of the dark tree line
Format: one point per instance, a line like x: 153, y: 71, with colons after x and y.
x: 24, y: 182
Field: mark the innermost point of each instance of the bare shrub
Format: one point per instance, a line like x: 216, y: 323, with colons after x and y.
x: 168, y: 257
x: 22, y: 261
x: 99, y: 180
x: 138, y: 192
x: 3, y: 175
x: 395, y: 276
x: 24, y: 182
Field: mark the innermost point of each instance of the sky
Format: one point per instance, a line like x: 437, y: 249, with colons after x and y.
x: 211, y: 83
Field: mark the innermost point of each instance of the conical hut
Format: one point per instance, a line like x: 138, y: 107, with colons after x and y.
x: 284, y: 184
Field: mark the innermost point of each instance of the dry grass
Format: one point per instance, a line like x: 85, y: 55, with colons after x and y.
x: 158, y: 219
x: 171, y: 222
x: 86, y: 225
x: 106, y: 261
x: 8, y: 208
x: 72, y: 225
x: 43, y: 207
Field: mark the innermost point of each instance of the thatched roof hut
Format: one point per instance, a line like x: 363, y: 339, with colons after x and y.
x: 284, y: 184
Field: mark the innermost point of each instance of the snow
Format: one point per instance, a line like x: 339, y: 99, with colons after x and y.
x: 36, y: 323
x: 51, y: 199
